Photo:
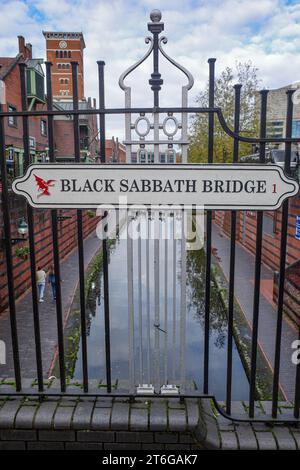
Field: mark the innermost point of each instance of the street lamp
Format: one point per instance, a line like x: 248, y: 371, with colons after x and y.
x: 22, y: 229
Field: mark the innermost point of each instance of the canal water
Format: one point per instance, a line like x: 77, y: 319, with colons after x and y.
x: 169, y: 330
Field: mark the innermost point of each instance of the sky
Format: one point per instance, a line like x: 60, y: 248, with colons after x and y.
x: 267, y: 32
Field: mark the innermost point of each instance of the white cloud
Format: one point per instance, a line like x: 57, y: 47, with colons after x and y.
x: 265, y: 31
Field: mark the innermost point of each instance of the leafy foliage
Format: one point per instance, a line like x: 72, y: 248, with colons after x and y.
x: 22, y: 252
x: 246, y: 75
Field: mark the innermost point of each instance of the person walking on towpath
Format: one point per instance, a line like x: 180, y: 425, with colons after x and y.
x: 52, y: 281
x: 41, y: 282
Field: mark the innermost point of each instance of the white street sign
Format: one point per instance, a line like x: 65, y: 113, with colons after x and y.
x: 243, y: 187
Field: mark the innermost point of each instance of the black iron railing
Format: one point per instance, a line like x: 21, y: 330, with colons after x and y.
x: 212, y: 112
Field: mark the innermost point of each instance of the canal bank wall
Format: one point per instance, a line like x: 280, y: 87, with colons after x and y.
x: 244, y: 294
x: 158, y: 424
x: 242, y: 334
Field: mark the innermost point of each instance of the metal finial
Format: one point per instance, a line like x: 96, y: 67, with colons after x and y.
x: 155, y: 16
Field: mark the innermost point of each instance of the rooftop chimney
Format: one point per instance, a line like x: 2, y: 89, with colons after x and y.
x: 29, y: 50
x: 21, y: 41
x: 25, y: 49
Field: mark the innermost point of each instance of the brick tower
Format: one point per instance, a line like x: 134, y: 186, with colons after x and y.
x: 62, y: 49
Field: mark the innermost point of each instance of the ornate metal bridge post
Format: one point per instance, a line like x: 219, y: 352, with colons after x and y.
x: 156, y: 142
x: 170, y: 139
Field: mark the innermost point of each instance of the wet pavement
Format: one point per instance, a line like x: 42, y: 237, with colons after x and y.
x: 244, y: 289
x: 47, y: 310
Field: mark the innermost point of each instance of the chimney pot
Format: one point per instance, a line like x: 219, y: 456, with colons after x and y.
x: 21, y: 42
x: 29, y: 50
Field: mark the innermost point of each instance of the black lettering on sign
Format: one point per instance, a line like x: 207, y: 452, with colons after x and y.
x: 65, y: 185
x: 207, y: 186
x: 87, y: 187
x: 123, y: 186
x: 190, y: 186
x: 234, y: 186
x: 108, y: 186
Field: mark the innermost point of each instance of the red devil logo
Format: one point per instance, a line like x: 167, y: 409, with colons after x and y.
x: 43, y: 186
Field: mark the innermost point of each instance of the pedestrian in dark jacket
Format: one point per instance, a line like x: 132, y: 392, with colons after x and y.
x: 52, y: 281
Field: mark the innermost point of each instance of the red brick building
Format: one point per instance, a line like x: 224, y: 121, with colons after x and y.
x: 11, y: 101
x: 67, y: 227
x: 88, y: 133
x: 61, y: 49
x: 114, y: 151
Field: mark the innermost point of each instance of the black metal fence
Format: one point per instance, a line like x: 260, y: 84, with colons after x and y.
x: 212, y: 112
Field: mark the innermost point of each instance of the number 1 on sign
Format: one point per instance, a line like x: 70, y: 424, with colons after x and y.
x: 274, y: 188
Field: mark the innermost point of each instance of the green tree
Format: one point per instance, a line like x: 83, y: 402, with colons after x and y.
x: 246, y: 75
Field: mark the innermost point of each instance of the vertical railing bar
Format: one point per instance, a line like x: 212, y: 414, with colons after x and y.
x: 59, y: 311
x: 9, y: 259
x: 101, y: 65
x: 74, y: 66
x: 237, y: 90
x: 258, y: 256
x: 183, y: 306
x: 166, y: 306
x: 148, y: 298
x: 130, y: 304
x: 30, y: 220
x: 297, y: 387
x: 140, y: 302
x: 174, y: 297
x: 283, y: 243
x: 156, y: 300
x: 208, y: 229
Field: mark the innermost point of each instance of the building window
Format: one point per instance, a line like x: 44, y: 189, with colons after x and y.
x: 150, y: 157
x: 69, y: 54
x: 275, y: 129
x: 43, y: 127
x: 12, y: 120
x: 32, y: 142
x: 56, y: 54
x: 171, y: 156
x: 142, y: 156
x: 296, y: 129
x: 64, y: 92
x: 162, y: 158
x: 63, y: 66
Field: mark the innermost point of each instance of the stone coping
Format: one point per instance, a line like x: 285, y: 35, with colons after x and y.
x: 117, y: 423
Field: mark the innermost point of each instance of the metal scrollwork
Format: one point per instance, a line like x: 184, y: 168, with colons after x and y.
x: 156, y: 26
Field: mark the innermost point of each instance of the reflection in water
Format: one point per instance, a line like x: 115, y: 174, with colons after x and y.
x: 169, y: 326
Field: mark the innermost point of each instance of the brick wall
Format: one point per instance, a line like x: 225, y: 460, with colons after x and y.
x: 14, y: 135
x: 75, y: 46
x: 156, y: 425
x: 246, y: 233
x: 103, y: 423
x: 64, y: 137
x: 223, y: 219
x: 67, y: 232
